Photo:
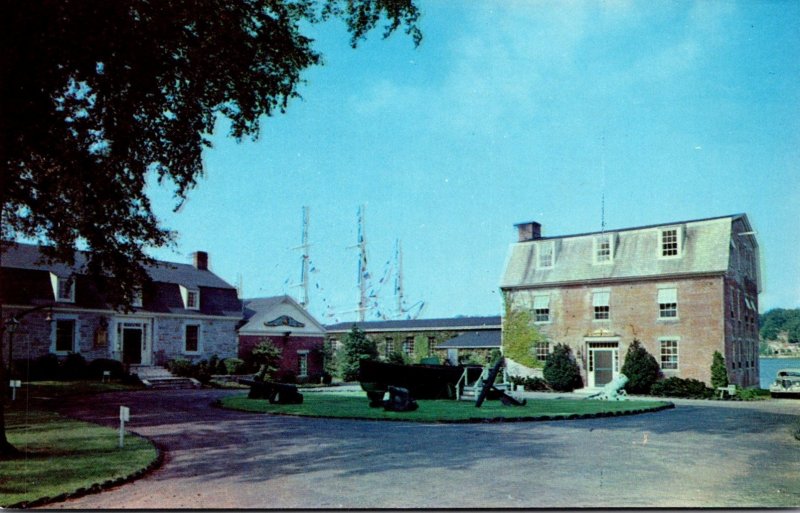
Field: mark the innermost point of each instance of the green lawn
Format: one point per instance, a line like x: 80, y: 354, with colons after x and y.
x: 356, y: 405
x: 55, y: 389
x: 62, y: 455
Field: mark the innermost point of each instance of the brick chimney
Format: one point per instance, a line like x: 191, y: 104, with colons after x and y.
x: 529, y: 231
x: 200, y: 260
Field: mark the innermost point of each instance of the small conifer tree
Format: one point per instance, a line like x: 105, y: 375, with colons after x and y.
x: 641, y: 369
x: 561, y: 371
x: 357, y: 347
x: 719, y: 373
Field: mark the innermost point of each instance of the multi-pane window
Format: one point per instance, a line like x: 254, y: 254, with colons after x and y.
x: 408, y: 345
x: 545, y: 254
x: 669, y: 354
x: 601, y: 306
x: 136, y: 300
x: 65, y: 336
x: 191, y: 341
x: 542, y: 350
x: 541, y: 308
x: 389, y: 346
x: 603, y: 252
x: 670, y: 245
x: 302, y: 364
x: 66, y: 290
x: 192, y: 299
x: 667, y: 303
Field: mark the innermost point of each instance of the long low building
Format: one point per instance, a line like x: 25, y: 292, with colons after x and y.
x: 454, y: 338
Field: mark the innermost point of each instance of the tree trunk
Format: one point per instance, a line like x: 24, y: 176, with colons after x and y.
x: 7, y: 451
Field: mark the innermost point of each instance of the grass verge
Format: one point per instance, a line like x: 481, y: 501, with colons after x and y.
x: 61, y: 456
x: 57, y: 389
x: 356, y: 406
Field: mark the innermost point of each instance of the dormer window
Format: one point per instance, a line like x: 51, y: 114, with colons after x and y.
x: 670, y: 243
x: 136, y: 299
x: 191, y: 298
x: 603, y: 249
x: 545, y: 254
x: 63, y: 288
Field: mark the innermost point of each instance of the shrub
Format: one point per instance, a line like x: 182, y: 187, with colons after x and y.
x: 719, y: 373
x: 752, y: 394
x: 641, y: 368
x: 268, y: 357
x: 561, y: 371
x: 357, y: 347
x: 530, y: 383
x: 98, y: 366
x: 180, y: 367
x: 520, y: 337
x: 398, y: 358
x: 45, y: 367
x: 680, y: 387
x: 469, y: 359
x: 74, y: 367
x: 233, y: 365
x: 286, y: 376
x: 202, y: 372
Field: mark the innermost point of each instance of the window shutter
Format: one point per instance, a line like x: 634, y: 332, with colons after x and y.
x: 541, y: 302
x: 600, y: 298
x: 667, y: 296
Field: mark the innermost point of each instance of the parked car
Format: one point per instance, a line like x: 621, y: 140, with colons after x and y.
x: 787, y: 384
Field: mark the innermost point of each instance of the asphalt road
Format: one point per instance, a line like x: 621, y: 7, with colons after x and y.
x: 700, y: 454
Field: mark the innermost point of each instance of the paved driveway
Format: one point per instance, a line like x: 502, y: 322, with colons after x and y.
x: 699, y: 454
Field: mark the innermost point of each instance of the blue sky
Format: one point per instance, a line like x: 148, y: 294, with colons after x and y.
x: 509, y: 112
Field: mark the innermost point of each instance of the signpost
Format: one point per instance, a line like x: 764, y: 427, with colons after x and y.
x: 124, y: 415
x: 14, y: 384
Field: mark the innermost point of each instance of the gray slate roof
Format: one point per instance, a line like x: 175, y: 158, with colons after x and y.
x: 473, y: 340
x: 449, y: 323
x: 28, y: 256
x: 705, y: 250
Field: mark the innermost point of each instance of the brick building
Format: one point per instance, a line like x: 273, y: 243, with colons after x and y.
x: 184, y: 311
x: 453, y: 338
x: 683, y: 289
x: 289, y: 327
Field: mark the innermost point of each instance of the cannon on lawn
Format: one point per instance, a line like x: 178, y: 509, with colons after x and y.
x: 613, y: 390
x: 275, y: 393
x: 489, y: 391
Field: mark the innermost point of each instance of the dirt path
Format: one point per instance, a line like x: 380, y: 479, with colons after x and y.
x: 700, y: 454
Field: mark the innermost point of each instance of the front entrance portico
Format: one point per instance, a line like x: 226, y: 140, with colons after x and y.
x: 133, y: 341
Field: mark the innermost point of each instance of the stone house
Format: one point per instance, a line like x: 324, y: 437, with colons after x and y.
x: 683, y: 289
x: 446, y: 338
x: 289, y: 327
x: 185, y: 311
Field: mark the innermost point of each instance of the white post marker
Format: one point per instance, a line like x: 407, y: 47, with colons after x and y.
x: 124, y: 415
x: 14, y: 384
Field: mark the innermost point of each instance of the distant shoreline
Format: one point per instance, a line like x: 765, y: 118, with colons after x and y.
x: 782, y: 357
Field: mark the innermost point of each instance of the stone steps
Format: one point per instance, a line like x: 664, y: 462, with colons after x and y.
x: 153, y: 376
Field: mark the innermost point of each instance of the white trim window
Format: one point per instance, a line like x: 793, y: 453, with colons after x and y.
x: 192, y: 338
x: 136, y: 299
x: 408, y: 346
x: 601, y: 305
x: 545, y: 254
x: 63, y: 288
x: 669, y: 242
x: 668, y: 303
x: 542, y: 350
x: 668, y: 349
x: 603, y: 249
x: 302, y: 363
x: 65, y: 335
x: 191, y: 298
x: 389, y: 346
x: 541, y: 309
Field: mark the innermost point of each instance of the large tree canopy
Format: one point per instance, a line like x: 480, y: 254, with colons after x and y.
x: 99, y: 94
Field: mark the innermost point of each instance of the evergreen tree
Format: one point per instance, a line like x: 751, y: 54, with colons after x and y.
x: 357, y: 347
x: 641, y: 369
x: 719, y: 373
x: 561, y: 371
x: 268, y: 356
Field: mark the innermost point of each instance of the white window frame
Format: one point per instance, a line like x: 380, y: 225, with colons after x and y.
x: 56, y: 281
x: 597, y: 243
x: 199, y: 338
x: 664, y: 299
x: 76, y: 334
x: 302, y: 363
x: 185, y: 296
x: 598, y: 301
x: 662, y: 354
x: 540, y: 253
x: 541, y: 306
x: 389, y: 348
x: 137, y: 299
x: 408, y: 346
x: 678, y: 242
x: 542, y: 350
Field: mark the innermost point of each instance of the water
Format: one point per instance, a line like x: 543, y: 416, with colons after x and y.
x: 770, y: 367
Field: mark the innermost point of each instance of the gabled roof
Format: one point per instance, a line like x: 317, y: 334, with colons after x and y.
x: 259, y: 313
x: 473, y: 340
x: 705, y: 249
x: 441, y: 324
x: 28, y: 256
